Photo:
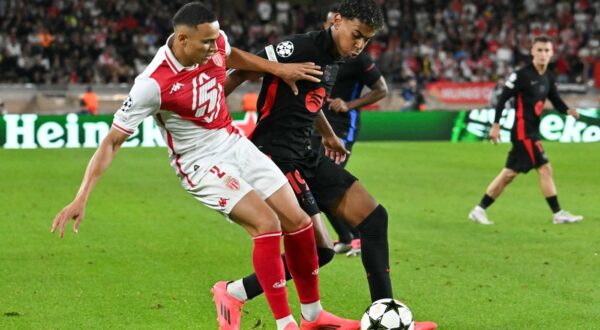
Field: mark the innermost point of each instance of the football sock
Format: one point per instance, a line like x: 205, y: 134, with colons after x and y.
x: 375, y: 253
x: 236, y: 289
x: 281, y: 323
x: 553, y: 203
x: 486, y: 201
x: 303, y: 262
x: 340, y: 227
x: 310, y: 312
x: 249, y: 287
x: 269, y: 271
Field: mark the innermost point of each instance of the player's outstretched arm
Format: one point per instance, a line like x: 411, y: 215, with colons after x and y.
x: 96, y: 167
x: 334, y: 147
x: 288, y: 72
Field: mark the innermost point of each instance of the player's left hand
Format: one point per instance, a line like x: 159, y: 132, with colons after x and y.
x: 335, y: 149
x: 292, y: 72
x: 338, y: 105
x: 573, y: 113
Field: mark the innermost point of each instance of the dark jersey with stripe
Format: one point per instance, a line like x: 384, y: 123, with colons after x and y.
x: 286, y: 120
x: 530, y: 90
x: 352, y: 76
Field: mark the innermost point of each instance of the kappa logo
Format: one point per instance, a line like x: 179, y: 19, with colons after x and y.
x: 285, y: 48
x: 223, y: 202
x: 279, y: 284
x: 176, y: 86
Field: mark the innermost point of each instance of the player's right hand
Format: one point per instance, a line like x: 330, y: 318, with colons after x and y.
x: 494, y: 135
x: 292, y: 72
x: 335, y: 149
x: 75, y: 211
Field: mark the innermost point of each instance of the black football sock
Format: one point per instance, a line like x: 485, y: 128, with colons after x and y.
x: 253, y: 288
x: 341, y: 228
x: 375, y: 253
x: 553, y: 203
x: 486, y: 201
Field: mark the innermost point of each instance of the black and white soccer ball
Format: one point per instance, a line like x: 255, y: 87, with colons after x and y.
x: 386, y: 314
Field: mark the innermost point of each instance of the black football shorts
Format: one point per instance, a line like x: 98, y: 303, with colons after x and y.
x: 525, y: 155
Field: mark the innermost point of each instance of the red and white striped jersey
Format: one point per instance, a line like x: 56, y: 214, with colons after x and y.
x: 188, y: 105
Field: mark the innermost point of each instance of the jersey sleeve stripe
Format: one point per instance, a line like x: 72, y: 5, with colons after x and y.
x: 126, y: 131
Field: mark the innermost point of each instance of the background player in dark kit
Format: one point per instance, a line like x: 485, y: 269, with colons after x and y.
x: 530, y: 86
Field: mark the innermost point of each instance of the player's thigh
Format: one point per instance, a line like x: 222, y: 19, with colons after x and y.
x: 355, y: 205
x: 255, y: 215
x: 286, y: 206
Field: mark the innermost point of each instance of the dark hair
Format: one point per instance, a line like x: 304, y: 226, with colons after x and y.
x: 542, y: 38
x: 366, y: 11
x: 192, y: 14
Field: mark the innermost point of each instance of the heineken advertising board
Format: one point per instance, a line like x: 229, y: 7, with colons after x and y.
x: 30, y: 131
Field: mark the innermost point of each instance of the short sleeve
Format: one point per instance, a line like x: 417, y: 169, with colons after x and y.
x: 227, y: 45
x: 143, y: 101
x: 511, y: 82
x: 370, y: 72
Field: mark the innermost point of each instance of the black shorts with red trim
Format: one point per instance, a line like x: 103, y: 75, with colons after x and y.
x: 526, y: 154
x: 316, y: 187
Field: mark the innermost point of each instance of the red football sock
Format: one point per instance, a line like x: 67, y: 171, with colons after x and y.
x: 303, y: 262
x: 269, y: 270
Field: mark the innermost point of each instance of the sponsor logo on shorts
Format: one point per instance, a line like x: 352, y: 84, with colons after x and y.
x: 232, y: 183
x: 315, y: 272
x: 279, y: 284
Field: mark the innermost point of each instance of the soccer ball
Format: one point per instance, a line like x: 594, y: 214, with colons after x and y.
x: 387, y: 314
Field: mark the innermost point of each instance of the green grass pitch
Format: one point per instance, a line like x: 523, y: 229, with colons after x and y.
x: 147, y: 253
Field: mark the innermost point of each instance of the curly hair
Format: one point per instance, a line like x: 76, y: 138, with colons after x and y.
x: 366, y: 11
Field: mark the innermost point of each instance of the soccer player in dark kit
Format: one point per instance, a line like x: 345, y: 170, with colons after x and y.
x: 530, y: 86
x: 284, y: 133
x: 342, y: 109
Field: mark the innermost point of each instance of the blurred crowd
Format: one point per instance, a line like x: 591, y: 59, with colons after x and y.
x: 93, y: 41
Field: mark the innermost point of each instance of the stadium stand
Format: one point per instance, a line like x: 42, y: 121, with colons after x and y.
x: 62, y: 43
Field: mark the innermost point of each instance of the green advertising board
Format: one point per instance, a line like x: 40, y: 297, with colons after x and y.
x: 30, y: 131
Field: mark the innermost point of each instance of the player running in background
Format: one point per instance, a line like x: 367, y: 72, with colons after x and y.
x: 530, y: 86
x: 342, y: 109
x: 183, y: 89
x: 284, y: 133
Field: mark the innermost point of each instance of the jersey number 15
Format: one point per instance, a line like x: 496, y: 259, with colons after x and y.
x: 207, y: 93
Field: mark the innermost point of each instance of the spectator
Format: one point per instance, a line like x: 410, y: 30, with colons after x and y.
x: 89, y: 102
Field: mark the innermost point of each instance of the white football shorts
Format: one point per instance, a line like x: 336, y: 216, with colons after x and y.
x: 243, y: 169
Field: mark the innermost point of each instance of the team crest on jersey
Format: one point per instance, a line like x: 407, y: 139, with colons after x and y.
x: 285, y: 48
x: 217, y: 59
x: 232, y: 183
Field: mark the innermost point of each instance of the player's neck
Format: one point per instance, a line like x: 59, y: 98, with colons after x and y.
x: 179, y: 54
x: 541, y: 69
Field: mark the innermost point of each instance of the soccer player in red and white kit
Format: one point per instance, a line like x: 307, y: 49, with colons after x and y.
x: 183, y: 89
